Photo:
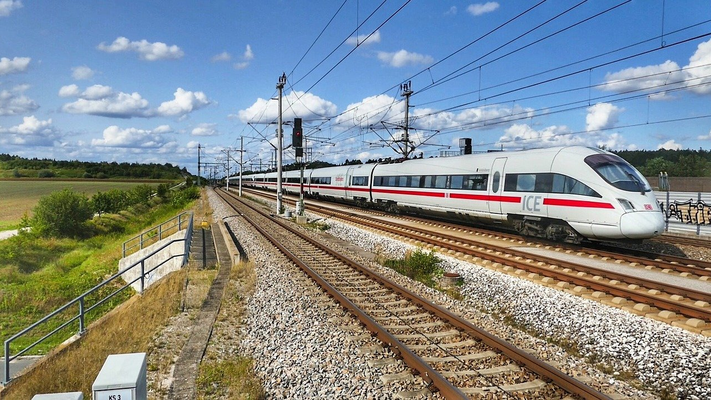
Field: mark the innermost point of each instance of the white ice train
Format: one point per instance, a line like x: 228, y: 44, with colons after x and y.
x: 560, y: 193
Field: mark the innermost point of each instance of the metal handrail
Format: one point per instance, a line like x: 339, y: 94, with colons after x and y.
x: 80, y: 300
x: 148, y: 236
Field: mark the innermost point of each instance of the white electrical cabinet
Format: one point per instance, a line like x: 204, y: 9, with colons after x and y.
x: 59, y: 396
x: 123, y: 377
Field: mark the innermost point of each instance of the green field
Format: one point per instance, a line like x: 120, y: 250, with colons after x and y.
x: 20, y: 196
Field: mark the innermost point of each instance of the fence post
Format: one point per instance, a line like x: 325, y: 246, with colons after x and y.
x: 7, y: 362
x: 82, y: 328
x: 160, y: 232
x: 666, y: 214
x: 698, y: 223
x: 143, y: 275
x: 124, y: 249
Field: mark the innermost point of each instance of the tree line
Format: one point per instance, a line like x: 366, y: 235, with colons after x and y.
x: 48, y: 168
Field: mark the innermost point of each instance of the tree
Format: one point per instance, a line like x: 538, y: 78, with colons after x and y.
x: 61, y: 214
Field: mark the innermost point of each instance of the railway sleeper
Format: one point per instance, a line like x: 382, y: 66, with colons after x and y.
x: 535, y: 384
x: 464, y: 343
x: 466, y: 357
x: 483, y: 372
x: 445, y: 334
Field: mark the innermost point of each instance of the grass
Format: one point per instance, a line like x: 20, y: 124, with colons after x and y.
x: 74, y: 367
x: 20, y: 196
x: 39, y: 275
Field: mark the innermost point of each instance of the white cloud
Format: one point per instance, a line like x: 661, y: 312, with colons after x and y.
x: 103, y: 101
x: 695, y: 76
x: 615, y: 141
x: 704, y: 137
x: 117, y: 105
x: 364, y: 40
x: 303, y: 105
x: 699, y: 69
x: 480, y: 9
x: 69, y: 91
x: 205, y: 130
x: 82, y: 73
x: 369, y: 111
x: 184, y: 102
x: 113, y: 136
x: 248, y: 54
x: 7, y: 6
x: 17, y: 64
x: 246, y: 58
x: 14, y: 102
x: 644, y: 78
x: 520, y: 136
x: 146, y: 50
x: 31, y: 126
x: 452, y: 11
x: 97, y: 92
x: 669, y: 145
x: 31, y: 131
x: 224, y: 56
x: 403, y: 57
x: 602, y: 116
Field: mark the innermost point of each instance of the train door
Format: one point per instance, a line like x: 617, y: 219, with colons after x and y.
x: 496, y: 188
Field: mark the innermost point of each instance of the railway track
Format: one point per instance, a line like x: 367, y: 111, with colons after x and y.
x: 678, y: 304
x: 454, y: 356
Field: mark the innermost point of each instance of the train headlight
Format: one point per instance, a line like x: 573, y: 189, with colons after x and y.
x: 626, y: 204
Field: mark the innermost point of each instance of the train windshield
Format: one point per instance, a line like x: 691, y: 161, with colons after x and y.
x: 618, y: 172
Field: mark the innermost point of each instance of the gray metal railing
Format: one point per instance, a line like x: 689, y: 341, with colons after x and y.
x: 81, y: 300
x: 155, y: 233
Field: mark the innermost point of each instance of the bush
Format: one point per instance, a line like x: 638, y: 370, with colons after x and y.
x: 112, y: 201
x: 45, y: 173
x: 61, y: 214
x: 87, y: 175
x: 418, y: 265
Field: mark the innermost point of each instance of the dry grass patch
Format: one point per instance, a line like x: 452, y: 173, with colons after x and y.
x: 127, y: 329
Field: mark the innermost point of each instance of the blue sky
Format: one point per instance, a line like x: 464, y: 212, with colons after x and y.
x: 147, y: 81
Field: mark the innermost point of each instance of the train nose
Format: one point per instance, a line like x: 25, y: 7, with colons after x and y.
x: 642, y: 225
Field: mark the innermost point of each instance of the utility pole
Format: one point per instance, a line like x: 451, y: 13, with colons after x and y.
x: 280, y: 86
x: 241, y: 163
x: 228, y: 168
x: 406, y: 92
x: 198, y: 164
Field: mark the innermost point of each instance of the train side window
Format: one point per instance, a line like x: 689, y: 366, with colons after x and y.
x: 359, y: 181
x: 510, y: 182
x: 479, y: 182
x: 428, y: 181
x: 377, y: 181
x: 456, y: 181
x: 414, y: 181
x: 441, y: 182
x: 544, y: 183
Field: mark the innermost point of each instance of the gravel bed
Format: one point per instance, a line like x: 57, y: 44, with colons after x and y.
x: 303, y: 343
x: 289, y: 346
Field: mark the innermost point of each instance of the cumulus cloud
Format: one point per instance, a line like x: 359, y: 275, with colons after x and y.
x: 669, y: 145
x: 224, y: 56
x: 205, y: 130
x: 602, y: 116
x: 82, y: 73
x: 31, y: 131
x: 403, y: 57
x: 695, y: 76
x: 8, y: 6
x: 184, y: 102
x: 104, y: 101
x: 146, y: 50
x: 364, y: 40
x: 113, y: 136
x: 303, y: 105
x: 521, y: 136
x: 14, y: 102
x: 481, y: 9
x: 16, y: 65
